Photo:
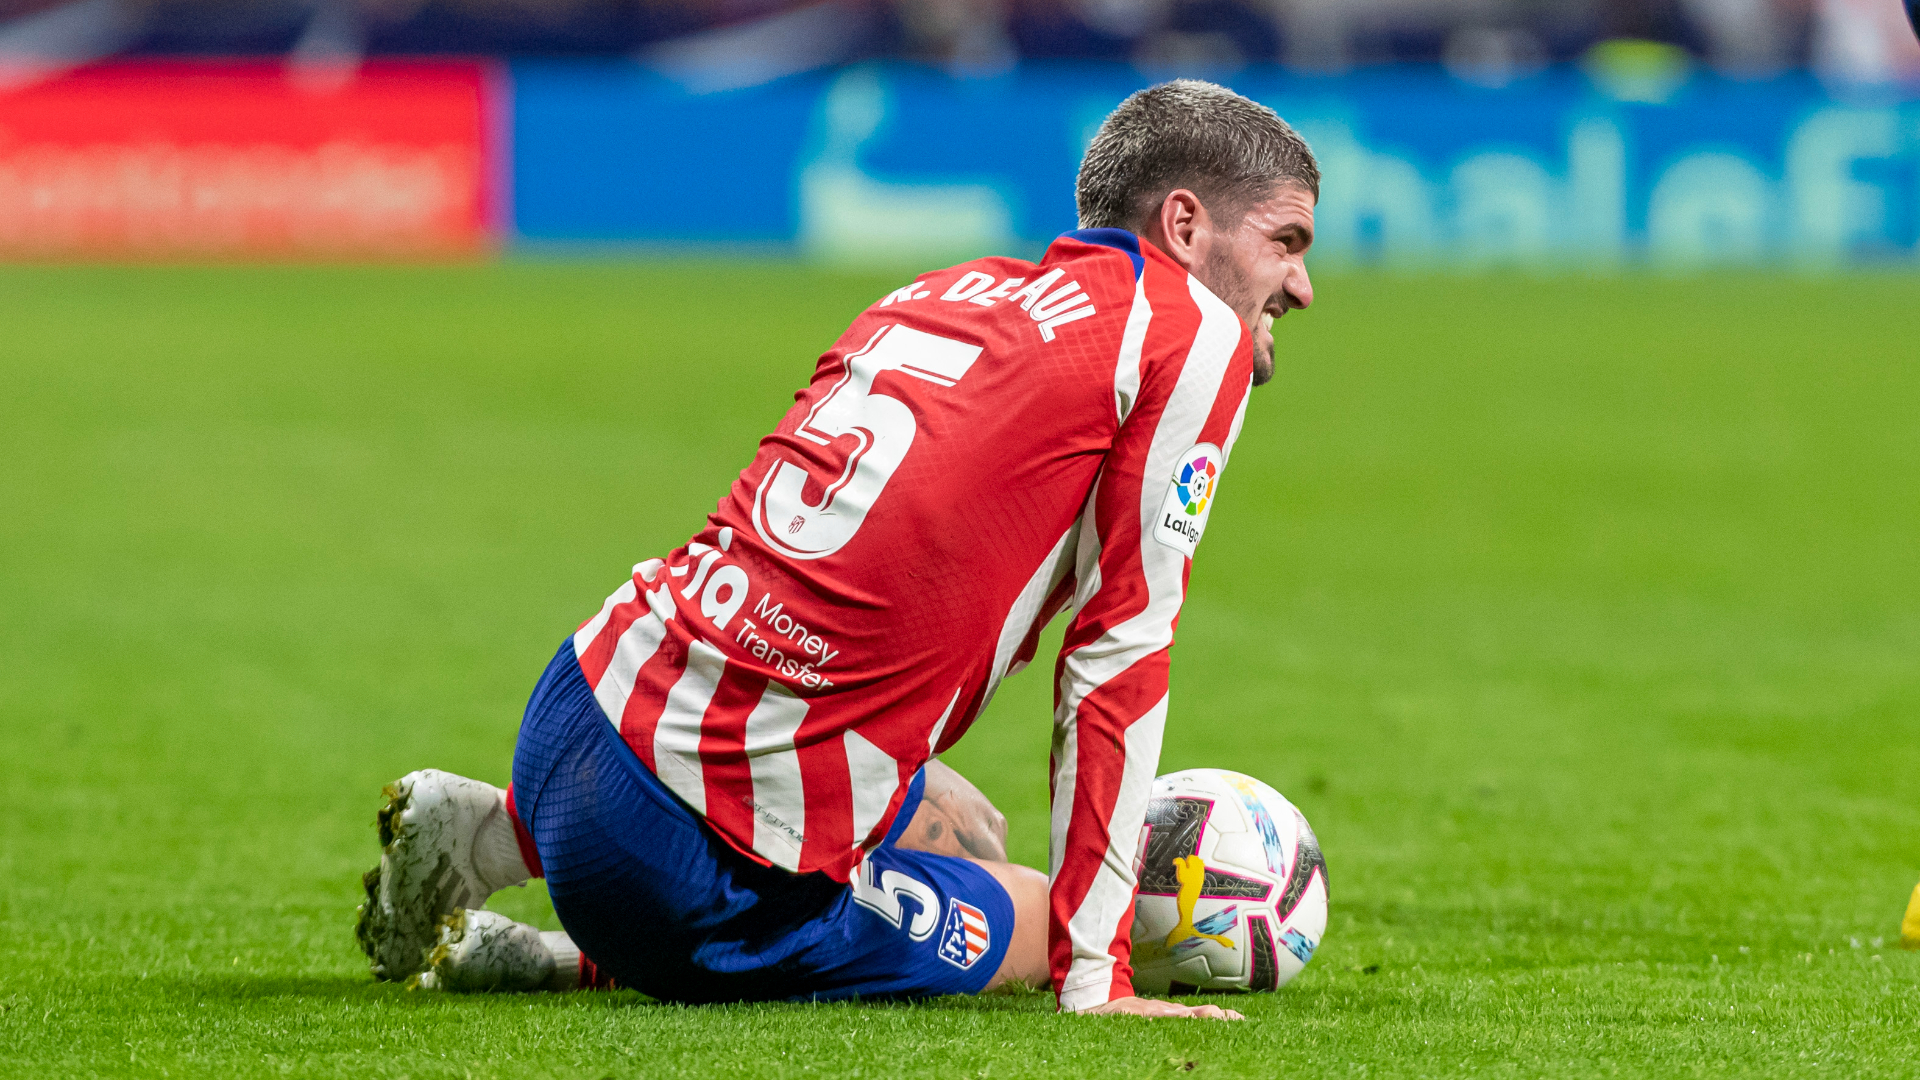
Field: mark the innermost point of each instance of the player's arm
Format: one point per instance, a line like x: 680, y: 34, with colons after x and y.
x: 1111, y: 689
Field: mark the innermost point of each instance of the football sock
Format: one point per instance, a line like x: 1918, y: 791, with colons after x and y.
x: 592, y: 977
x: 566, y: 960
x: 529, y: 856
x: 571, y: 968
x: 496, y: 850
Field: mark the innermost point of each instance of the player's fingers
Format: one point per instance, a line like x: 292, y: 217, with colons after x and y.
x: 1213, y: 1012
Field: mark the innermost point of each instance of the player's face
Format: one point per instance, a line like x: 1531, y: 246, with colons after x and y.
x: 1260, y: 267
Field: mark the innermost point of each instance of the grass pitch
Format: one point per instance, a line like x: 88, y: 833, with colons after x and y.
x: 1582, y: 618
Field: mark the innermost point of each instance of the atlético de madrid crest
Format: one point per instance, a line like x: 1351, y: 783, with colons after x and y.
x: 1189, y: 499
x: 964, y: 939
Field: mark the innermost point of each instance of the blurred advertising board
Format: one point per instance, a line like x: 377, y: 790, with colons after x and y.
x: 249, y: 159
x: 1563, y: 167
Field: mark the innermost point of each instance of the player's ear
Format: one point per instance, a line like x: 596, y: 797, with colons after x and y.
x: 1177, y: 228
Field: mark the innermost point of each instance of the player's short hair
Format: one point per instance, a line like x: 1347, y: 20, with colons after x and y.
x: 1229, y: 150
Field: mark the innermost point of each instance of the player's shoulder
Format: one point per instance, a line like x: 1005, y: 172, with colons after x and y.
x: 1114, y: 257
x: 1188, y: 330
x: 1175, y: 294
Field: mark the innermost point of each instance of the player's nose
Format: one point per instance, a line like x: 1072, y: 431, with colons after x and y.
x: 1299, y: 288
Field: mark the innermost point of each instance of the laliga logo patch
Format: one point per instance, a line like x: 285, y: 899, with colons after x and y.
x: 1190, y: 495
x: 1195, y: 484
x: 964, y: 939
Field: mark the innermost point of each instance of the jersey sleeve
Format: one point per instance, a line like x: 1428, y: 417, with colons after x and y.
x: 1181, y: 384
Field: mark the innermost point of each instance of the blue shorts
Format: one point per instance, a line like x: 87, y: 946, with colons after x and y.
x: 662, y: 904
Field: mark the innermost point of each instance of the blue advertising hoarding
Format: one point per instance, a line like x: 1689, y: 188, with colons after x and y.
x: 890, y: 162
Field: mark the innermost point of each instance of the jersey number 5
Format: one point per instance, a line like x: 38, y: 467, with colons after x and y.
x: 884, y: 427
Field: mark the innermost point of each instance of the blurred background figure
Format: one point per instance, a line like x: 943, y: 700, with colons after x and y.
x: 1498, y: 132
x: 1485, y: 40
x: 1863, y: 42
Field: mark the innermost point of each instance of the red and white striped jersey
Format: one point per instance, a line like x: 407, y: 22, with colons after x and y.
x: 983, y: 447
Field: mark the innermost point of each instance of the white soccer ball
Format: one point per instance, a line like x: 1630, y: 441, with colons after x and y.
x: 1233, y: 888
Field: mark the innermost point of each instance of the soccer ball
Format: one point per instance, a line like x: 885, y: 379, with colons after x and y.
x: 1233, y: 888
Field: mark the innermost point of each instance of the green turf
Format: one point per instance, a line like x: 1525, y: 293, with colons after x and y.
x: 1581, y: 617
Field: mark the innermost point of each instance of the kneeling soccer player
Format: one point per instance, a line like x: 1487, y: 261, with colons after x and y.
x: 727, y: 775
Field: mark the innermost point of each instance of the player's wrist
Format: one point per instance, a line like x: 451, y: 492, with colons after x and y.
x: 1091, y: 995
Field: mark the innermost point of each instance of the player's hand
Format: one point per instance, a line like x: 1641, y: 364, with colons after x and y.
x: 1153, y: 1007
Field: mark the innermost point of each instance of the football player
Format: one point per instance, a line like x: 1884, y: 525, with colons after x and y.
x: 728, y: 773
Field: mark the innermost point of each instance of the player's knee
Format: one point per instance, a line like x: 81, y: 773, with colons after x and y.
x: 1026, y: 958
x: 1031, y: 883
x: 997, y: 823
x: 1025, y: 886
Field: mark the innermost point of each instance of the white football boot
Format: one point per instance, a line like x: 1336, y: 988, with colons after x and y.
x: 446, y: 843
x: 486, y: 952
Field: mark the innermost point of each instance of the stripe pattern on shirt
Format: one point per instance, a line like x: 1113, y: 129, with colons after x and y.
x: 1111, y: 692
